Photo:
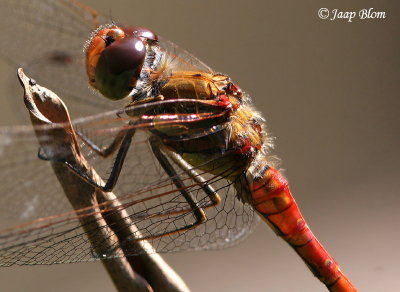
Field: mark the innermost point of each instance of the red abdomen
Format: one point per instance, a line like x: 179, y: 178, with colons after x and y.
x: 273, y: 200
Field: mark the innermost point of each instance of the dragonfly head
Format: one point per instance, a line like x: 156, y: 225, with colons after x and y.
x: 115, y: 57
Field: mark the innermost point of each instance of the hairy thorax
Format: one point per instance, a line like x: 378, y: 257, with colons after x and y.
x: 231, y: 138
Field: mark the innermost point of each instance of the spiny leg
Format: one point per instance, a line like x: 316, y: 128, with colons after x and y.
x: 186, y: 167
x: 213, y: 195
x: 117, y: 166
x: 168, y: 168
x: 107, y: 150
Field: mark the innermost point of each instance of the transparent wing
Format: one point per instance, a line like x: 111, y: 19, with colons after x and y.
x: 179, y: 59
x: 49, y: 232
x: 46, y: 38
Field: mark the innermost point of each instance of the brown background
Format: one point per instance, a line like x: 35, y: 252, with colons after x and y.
x: 329, y: 92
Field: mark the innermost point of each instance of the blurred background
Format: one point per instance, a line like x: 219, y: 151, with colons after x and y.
x: 329, y: 91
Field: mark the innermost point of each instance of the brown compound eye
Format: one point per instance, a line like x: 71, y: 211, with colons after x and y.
x: 95, y: 47
x: 119, y: 67
x: 115, y: 57
x: 124, y: 54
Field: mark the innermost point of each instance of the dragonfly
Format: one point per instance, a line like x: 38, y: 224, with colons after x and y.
x: 180, y: 145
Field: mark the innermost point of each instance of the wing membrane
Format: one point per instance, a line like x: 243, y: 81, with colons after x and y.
x: 153, y: 205
x: 181, y: 60
x: 46, y: 38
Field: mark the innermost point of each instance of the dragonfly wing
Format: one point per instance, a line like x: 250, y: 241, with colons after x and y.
x: 149, y: 204
x: 179, y: 59
x: 34, y: 28
x: 46, y: 38
x: 152, y: 207
x: 29, y: 188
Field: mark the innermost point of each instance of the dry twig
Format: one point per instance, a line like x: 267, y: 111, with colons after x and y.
x: 145, y: 272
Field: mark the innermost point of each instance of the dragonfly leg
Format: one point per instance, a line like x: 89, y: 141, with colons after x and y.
x: 124, y: 145
x: 198, y: 212
x: 213, y: 195
x: 188, y: 169
x: 107, y: 150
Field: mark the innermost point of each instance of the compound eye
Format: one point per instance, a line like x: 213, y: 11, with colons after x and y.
x: 119, y: 67
x: 125, y: 54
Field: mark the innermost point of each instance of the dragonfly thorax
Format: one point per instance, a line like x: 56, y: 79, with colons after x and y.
x: 234, y: 135
x: 212, y: 116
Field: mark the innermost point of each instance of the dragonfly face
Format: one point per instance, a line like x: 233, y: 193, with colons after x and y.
x: 115, y: 58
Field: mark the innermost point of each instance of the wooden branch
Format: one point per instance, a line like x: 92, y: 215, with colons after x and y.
x: 144, y: 272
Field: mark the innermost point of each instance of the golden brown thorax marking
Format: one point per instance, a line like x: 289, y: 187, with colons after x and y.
x: 244, y: 122
x: 188, y: 84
